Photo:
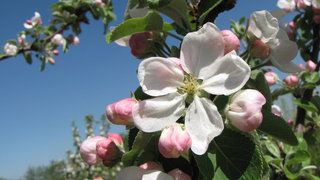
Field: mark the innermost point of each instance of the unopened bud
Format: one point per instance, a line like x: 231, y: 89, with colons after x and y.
x: 290, y: 122
x: 231, y: 41
x: 316, y: 19
x: 56, y: 52
x: 121, y: 112
x: 276, y: 110
x: 88, y: 150
x: 29, y: 22
x: 271, y: 78
x: 150, y: 165
x: 174, y: 141
x: 291, y: 80
x: 260, y: 50
x: 244, y: 110
x: 140, y: 45
x: 76, y: 41
x: 311, y: 66
x: 177, y: 174
x: 108, y: 151
x: 116, y: 138
x: 51, y: 60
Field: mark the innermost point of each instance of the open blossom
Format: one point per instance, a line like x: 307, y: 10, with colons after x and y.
x: 291, y: 80
x: 58, y: 39
x: 36, y: 19
x: 271, y: 78
x: 173, y: 141
x: 10, y: 49
x: 287, y: 5
x: 137, y: 173
x: 264, y: 27
x: 231, y: 41
x: 205, y: 70
x: 121, y: 112
x: 311, y: 66
x: 75, y: 40
x: 244, y: 110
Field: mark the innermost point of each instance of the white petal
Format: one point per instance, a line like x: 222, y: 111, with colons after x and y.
x: 27, y: 26
x: 156, y: 175
x: 124, y: 41
x: 263, y: 26
x: 155, y: 114
x: 200, y: 49
x: 289, y: 5
x: 203, y: 123
x: 279, y: 14
x: 131, y: 173
x: 159, y: 76
x: 282, y: 51
x: 230, y: 74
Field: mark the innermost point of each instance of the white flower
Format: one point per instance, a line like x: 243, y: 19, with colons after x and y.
x: 58, y: 39
x: 208, y: 71
x: 137, y: 173
x: 36, y: 19
x: 287, y: 5
x: 265, y: 27
x: 10, y: 49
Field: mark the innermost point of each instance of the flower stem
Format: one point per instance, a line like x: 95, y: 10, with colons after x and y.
x: 172, y: 35
x: 267, y: 63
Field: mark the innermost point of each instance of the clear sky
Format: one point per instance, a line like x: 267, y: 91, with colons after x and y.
x: 36, y: 108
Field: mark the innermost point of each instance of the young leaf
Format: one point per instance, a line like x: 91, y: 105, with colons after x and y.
x: 277, y: 127
x: 309, y: 106
x: 153, y: 4
x: 205, y: 7
x: 151, y: 22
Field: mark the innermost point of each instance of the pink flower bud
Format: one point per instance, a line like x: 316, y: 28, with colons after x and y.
x: 244, y: 111
x: 121, y: 112
x: 39, y: 21
x: 316, y: 19
x: 260, y: 50
x: 291, y: 80
x: 108, y: 151
x: 231, y: 41
x: 311, y: 66
x: 301, y: 66
x: 271, y: 78
x: 139, y: 44
x: 98, y: 178
x: 88, y: 150
x: 269, y: 68
x: 301, y: 4
x: 99, y: 2
x: 290, y: 122
x: 292, y: 25
x: 51, y: 60
x: 150, y: 165
x: 56, y: 52
x: 116, y: 138
x: 58, y: 39
x: 177, y: 174
x: 173, y: 141
x: 276, y: 110
x: 76, y: 41
x: 29, y: 22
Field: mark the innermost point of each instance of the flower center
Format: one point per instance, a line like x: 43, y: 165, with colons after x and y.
x: 191, y: 87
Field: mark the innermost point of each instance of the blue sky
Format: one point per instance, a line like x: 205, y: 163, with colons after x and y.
x: 36, y: 108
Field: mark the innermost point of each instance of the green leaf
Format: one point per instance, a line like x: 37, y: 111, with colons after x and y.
x: 27, y: 57
x: 140, y: 95
x: 141, y: 141
x: 151, y: 22
x: 153, y: 4
x: 205, y: 7
x: 258, y: 81
x: 232, y: 156
x: 168, y: 27
x: 221, y: 102
x: 316, y: 101
x: 175, y: 52
x: 277, y: 127
x: 278, y: 92
x: 312, y: 77
x: 309, y: 106
x: 272, y: 148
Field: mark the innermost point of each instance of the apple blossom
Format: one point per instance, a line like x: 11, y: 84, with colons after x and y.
x: 116, y: 138
x: 311, y: 66
x: 51, y: 60
x: 244, y: 110
x: 121, y: 112
x: 231, y: 41
x: 315, y: 5
x: 108, y: 151
x: 75, y: 40
x: 276, y: 110
x: 21, y: 38
x: 263, y: 26
x: 302, y: 4
x: 177, y: 174
x: 205, y: 70
x: 99, y: 2
x: 10, y: 49
x: 137, y: 173
x: 287, y: 5
x: 271, y: 78
x: 58, y: 39
x: 173, y: 141
x: 287, y: 28
x: 260, y: 49
x: 36, y: 19
x: 140, y: 45
x: 291, y: 80
x: 150, y: 165
x: 88, y: 150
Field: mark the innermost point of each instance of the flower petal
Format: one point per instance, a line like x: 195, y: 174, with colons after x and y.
x: 159, y: 76
x: 131, y: 173
x: 157, y: 175
x: 279, y: 14
x: 155, y: 114
x: 282, y: 51
x: 230, y: 74
x: 200, y: 49
x: 262, y: 25
x: 203, y: 123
